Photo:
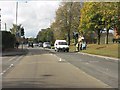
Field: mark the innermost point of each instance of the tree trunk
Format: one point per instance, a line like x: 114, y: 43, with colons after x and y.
x: 70, y: 20
x: 69, y: 37
x: 107, y: 36
x: 99, y: 36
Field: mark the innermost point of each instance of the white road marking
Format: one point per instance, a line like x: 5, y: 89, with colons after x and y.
x: 86, y: 63
x: 12, y: 58
x: 11, y: 65
x: 106, y: 58
x: 1, y: 73
x: 8, y: 68
x: 4, y: 71
x: 51, y: 54
x: 93, y: 61
x: 18, y: 59
x: 60, y: 59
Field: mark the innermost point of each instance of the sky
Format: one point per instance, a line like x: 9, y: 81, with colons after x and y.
x: 34, y: 15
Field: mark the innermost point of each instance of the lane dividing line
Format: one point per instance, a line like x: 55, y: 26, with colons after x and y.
x: 11, y: 65
x: 4, y: 71
x: 60, y: 60
x: 1, y: 73
x: 12, y: 58
x: 18, y: 59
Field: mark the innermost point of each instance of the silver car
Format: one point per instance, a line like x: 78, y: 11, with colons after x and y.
x: 46, y: 45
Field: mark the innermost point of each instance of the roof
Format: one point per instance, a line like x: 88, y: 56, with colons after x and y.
x: 60, y: 40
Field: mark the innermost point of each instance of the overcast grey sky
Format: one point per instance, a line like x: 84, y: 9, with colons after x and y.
x: 33, y: 15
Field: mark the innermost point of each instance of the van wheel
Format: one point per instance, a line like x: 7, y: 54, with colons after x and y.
x: 67, y: 50
x: 57, y: 50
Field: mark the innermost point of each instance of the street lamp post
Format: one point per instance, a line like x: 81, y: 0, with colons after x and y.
x: 16, y: 11
x: 18, y: 31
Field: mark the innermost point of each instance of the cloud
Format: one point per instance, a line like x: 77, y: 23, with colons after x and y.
x: 33, y: 15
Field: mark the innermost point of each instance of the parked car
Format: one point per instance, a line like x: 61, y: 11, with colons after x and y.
x: 46, y: 45
x: 35, y: 44
x: 40, y: 44
x: 61, y: 45
x: 30, y: 44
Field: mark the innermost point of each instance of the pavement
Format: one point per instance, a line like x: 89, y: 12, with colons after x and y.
x: 14, y: 52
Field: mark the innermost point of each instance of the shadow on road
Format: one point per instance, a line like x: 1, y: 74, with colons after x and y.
x: 15, y: 52
x: 38, y: 51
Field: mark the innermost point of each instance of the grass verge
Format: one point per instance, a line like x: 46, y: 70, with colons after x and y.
x: 110, y: 50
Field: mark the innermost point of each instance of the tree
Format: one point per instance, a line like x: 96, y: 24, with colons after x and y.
x: 90, y: 19
x: 15, y: 29
x: 45, y: 35
x: 97, y: 16
x: 67, y: 20
x: 8, y: 40
x: 109, y: 11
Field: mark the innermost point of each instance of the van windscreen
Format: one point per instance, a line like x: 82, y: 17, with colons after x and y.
x: 62, y: 43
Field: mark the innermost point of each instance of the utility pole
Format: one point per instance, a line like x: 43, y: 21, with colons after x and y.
x: 16, y: 11
x: 16, y: 14
x: 5, y: 27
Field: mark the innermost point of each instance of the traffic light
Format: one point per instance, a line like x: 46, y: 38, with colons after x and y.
x: 22, y: 31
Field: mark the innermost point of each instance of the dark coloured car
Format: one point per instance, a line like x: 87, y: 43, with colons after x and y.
x: 30, y: 44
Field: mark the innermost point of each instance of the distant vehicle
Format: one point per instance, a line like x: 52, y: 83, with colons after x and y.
x: 40, y: 44
x: 61, y: 45
x: 35, y: 44
x: 46, y: 45
x: 30, y: 44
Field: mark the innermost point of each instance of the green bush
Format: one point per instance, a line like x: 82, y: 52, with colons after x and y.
x: 8, y: 40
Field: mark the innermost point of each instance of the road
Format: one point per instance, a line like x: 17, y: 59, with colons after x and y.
x: 42, y: 68
x: 103, y: 69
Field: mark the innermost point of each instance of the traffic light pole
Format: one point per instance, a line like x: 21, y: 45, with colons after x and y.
x: 22, y: 34
x: 22, y: 42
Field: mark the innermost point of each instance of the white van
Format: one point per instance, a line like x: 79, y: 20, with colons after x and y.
x: 61, y: 45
